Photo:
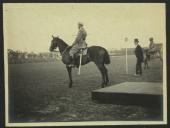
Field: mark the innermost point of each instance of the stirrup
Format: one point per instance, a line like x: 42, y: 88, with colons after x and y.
x: 72, y: 65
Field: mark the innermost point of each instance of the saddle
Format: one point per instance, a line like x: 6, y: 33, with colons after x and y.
x: 82, y: 51
x: 66, y: 55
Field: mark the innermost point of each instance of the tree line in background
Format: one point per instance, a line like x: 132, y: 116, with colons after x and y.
x: 17, y: 56
x: 121, y: 52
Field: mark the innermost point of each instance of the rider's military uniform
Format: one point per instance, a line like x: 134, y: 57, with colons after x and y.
x: 79, y: 41
x: 152, y: 47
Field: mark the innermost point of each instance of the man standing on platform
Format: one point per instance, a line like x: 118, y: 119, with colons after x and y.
x: 139, y: 56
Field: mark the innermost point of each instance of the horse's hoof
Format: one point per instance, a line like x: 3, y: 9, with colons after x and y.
x: 103, y: 84
x: 70, y: 85
x: 107, y: 83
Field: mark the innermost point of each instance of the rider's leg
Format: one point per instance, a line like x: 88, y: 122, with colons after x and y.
x: 72, y: 52
x: 72, y: 58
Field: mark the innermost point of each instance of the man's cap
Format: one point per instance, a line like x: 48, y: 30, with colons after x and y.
x: 151, y: 38
x: 136, y: 40
x: 80, y: 23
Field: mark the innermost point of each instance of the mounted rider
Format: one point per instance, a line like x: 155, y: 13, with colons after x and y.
x: 79, y: 42
x: 152, y: 46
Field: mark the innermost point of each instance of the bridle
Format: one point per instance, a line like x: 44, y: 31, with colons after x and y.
x: 63, y: 51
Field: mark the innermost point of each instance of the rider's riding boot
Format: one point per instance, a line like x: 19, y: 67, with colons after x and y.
x: 72, y: 60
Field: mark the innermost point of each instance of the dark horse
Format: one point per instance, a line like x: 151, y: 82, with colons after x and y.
x: 96, y: 54
x: 147, y: 56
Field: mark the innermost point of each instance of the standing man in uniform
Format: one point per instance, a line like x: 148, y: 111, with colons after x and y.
x: 79, y: 42
x: 139, y: 56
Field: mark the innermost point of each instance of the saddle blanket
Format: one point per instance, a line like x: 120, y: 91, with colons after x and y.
x: 84, y: 52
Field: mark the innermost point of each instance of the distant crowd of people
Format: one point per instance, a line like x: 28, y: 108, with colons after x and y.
x: 15, y: 57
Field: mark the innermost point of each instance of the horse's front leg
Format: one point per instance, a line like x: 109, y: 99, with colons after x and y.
x: 69, y: 69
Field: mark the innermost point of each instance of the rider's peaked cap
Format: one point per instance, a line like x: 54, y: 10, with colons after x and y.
x: 80, y: 23
x: 136, y: 40
x: 151, y: 38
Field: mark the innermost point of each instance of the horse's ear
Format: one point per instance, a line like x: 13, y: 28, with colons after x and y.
x: 52, y: 36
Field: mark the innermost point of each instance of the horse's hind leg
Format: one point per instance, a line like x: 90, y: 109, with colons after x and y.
x: 147, y: 65
x: 102, y: 71
x: 106, y: 75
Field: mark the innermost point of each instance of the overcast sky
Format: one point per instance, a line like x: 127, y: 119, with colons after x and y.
x: 29, y: 26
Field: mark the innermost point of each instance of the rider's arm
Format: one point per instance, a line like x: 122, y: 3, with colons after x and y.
x: 79, y: 36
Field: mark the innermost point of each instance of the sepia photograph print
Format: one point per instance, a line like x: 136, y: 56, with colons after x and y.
x: 80, y: 64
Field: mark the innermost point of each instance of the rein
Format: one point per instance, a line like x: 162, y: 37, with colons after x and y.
x: 64, y: 50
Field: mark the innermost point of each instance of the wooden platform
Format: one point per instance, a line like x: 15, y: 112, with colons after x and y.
x: 132, y: 93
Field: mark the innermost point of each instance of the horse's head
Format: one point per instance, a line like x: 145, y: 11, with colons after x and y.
x: 54, y: 43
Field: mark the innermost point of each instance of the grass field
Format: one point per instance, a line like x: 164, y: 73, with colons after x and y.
x: 39, y: 92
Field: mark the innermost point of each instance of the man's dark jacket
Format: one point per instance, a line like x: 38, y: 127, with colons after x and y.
x: 139, y: 53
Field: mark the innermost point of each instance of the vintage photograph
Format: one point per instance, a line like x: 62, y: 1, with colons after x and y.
x: 78, y: 64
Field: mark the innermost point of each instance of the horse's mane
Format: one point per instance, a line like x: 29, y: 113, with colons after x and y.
x: 62, y: 41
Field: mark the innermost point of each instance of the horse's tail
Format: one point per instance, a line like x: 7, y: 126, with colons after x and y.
x: 106, y: 58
